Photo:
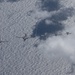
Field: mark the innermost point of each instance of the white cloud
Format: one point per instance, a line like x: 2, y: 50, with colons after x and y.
x: 62, y: 44
x: 69, y: 3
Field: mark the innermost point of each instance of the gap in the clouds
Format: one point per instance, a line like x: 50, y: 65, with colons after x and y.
x: 50, y: 5
x: 62, y: 15
x: 42, y: 29
x: 54, y: 25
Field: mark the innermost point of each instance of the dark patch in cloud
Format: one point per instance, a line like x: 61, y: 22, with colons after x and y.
x: 71, y: 71
x: 50, y: 5
x: 30, y: 12
x: 35, y: 45
x: 1, y: 1
x: 42, y: 30
x: 9, y: 1
x: 62, y: 15
x: 12, y: 0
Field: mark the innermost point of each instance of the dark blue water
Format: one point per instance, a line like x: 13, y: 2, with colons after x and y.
x: 50, y: 5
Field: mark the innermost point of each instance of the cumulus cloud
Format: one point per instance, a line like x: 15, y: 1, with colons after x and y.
x: 63, y: 44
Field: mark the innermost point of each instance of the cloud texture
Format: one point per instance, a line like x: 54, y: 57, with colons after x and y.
x: 63, y: 44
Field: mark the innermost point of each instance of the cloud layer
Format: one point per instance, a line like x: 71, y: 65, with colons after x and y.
x: 63, y: 44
